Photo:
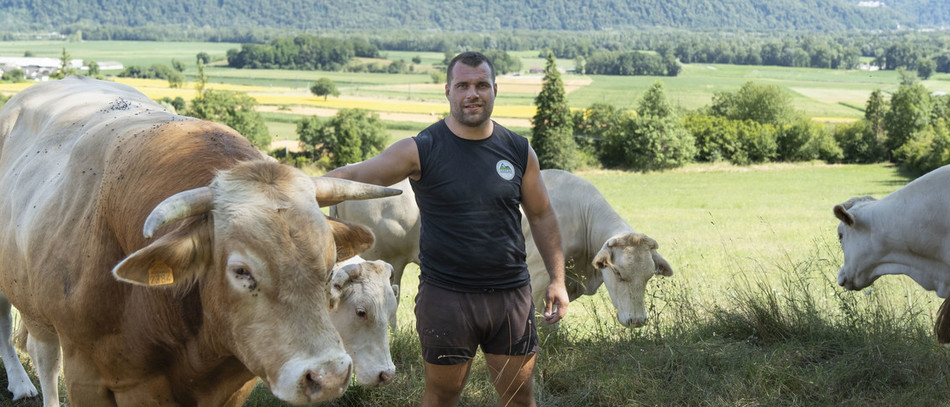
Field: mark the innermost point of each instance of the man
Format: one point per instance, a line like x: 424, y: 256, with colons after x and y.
x: 469, y: 175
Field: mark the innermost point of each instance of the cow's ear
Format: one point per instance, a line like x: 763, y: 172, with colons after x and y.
x: 663, y: 267
x: 843, y: 215
x: 174, y: 260
x: 351, y: 238
x: 602, y: 259
x: 340, y: 278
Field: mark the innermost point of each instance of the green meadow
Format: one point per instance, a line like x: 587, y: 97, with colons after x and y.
x: 752, y: 315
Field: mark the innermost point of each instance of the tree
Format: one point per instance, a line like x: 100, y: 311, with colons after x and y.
x: 765, y: 104
x: 909, y: 113
x: 551, y: 134
x: 65, y: 68
x: 178, y: 65
x: 203, y: 58
x: 324, y: 87
x: 352, y: 135
x: 93, y: 69
x: 654, y: 102
x: 14, y: 75
x: 235, y: 109
x: 926, y: 67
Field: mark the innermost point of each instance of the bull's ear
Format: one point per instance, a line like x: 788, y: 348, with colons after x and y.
x: 351, y: 238
x: 663, y: 267
x: 602, y: 259
x: 174, y: 260
x: 843, y: 215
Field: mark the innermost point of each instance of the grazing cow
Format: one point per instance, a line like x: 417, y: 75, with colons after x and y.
x: 601, y: 245
x: 603, y: 248
x: 395, y: 223
x: 903, y: 233
x: 362, y: 306
x: 227, y: 280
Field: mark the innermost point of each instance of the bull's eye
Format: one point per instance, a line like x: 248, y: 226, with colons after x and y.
x: 840, y: 236
x: 360, y: 312
x: 242, y: 275
x: 241, y: 272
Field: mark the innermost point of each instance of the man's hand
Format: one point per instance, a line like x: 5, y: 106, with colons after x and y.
x: 555, y: 304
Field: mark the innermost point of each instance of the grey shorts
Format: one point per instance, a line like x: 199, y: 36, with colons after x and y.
x: 452, y: 325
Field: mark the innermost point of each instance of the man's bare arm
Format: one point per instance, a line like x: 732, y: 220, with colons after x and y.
x: 547, y: 237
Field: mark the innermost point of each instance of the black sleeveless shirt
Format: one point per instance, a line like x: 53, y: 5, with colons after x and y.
x: 468, y: 197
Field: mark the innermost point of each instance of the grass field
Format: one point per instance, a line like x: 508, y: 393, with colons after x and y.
x: 827, y: 95
x: 751, y: 317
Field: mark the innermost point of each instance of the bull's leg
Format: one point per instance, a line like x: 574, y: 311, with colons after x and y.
x: 47, y: 360
x: 19, y: 382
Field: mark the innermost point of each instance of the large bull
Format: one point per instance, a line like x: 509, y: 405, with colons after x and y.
x: 603, y: 247
x: 226, y: 280
x: 906, y: 232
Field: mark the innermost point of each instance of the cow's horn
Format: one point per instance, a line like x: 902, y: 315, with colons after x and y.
x: 338, y: 189
x: 179, y: 206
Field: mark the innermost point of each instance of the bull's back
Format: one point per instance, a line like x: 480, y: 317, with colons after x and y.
x: 82, y: 162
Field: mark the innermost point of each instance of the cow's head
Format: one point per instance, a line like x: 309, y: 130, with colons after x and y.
x: 861, y: 247
x: 627, y: 262
x: 259, y: 251
x: 362, y: 305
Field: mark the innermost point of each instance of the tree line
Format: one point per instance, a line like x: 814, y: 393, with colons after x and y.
x: 181, y: 18
x: 755, y: 124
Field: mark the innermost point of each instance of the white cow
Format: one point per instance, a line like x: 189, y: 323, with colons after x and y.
x: 903, y: 233
x: 395, y: 223
x: 605, y: 249
x: 362, y: 306
x: 602, y: 246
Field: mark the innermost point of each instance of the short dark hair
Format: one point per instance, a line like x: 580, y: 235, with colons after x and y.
x: 472, y: 59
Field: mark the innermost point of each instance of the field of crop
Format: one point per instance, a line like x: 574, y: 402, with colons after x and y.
x: 827, y: 95
x: 752, y: 315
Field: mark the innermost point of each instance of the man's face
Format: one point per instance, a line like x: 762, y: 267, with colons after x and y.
x: 471, y: 94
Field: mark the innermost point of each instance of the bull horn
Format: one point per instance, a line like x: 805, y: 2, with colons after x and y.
x: 338, y: 190
x: 179, y: 206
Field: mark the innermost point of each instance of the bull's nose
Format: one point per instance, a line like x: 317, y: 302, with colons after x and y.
x: 320, y: 385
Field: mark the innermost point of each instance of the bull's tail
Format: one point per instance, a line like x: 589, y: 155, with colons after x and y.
x: 20, y: 334
x: 942, y: 323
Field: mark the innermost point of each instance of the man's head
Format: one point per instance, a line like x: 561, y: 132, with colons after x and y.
x: 472, y: 59
x: 471, y: 89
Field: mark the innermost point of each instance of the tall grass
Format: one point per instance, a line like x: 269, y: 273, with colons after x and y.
x: 752, y: 316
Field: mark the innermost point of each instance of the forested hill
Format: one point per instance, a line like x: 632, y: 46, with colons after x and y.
x: 474, y: 15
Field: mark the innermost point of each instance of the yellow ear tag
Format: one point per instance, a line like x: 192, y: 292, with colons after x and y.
x: 160, y: 274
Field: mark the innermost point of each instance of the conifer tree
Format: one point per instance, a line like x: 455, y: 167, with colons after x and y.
x: 552, y: 132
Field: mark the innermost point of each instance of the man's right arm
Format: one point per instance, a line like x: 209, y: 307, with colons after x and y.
x: 398, y: 161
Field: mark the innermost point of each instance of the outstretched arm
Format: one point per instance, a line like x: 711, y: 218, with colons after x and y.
x: 547, y: 237
x: 398, y: 161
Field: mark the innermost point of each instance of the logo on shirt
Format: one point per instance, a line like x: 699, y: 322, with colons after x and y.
x: 505, y: 170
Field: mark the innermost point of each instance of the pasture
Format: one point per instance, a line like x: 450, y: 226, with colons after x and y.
x: 824, y: 94
x: 752, y: 315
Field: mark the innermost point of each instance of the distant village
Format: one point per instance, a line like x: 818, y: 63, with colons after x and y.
x: 39, y: 69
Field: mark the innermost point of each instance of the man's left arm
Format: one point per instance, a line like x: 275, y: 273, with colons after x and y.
x: 547, y: 237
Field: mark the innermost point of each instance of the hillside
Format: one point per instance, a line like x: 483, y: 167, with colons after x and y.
x: 478, y: 15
